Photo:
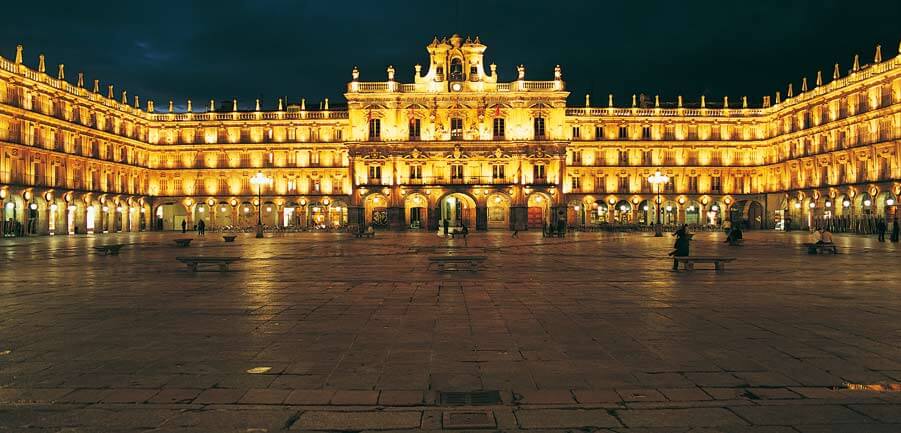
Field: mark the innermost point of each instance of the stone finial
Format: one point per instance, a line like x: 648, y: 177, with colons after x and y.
x: 42, y: 67
x: 856, y: 66
x: 610, y: 100
x: 878, y: 57
x: 212, y: 105
x: 819, y: 78
x: 280, y: 104
x: 80, y: 82
x: 171, y: 106
x: 96, y: 86
x: 656, y: 101
x: 558, y: 73
x: 109, y: 91
x: 493, y: 68
x: 303, y: 104
x: 150, y: 106
x: 790, y: 92
x: 778, y: 97
x: 124, y: 97
x: 835, y: 72
x: 19, y: 50
x: 418, y: 70
x: 521, y: 72
x: 744, y: 102
x: 137, y: 102
x: 587, y: 100
x: 61, y: 72
x: 258, y: 104
x: 679, y: 101
x: 725, y: 102
x: 390, y: 72
x: 190, y: 106
x: 355, y: 73
x: 703, y: 101
x: 326, y: 105
x: 634, y: 101
x: 804, y: 84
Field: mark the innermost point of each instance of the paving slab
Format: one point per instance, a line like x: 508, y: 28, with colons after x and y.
x: 333, y: 420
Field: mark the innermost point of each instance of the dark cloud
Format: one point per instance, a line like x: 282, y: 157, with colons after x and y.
x: 272, y: 48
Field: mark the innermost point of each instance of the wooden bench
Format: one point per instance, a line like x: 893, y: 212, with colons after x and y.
x: 194, y: 262
x: 364, y: 234
x: 229, y: 238
x: 719, y: 263
x: 814, y: 248
x: 456, y: 263
x: 454, y: 234
x: 112, y: 249
x: 183, y: 242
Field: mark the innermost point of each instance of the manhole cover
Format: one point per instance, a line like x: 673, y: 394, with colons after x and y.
x: 464, y: 420
x: 473, y: 398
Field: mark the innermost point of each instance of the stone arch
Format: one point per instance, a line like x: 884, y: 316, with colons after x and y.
x: 539, y: 210
x: 498, y: 207
x: 416, y: 210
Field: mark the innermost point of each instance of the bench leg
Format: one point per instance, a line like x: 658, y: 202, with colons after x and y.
x: 719, y: 266
x: 689, y: 266
x: 223, y: 267
x: 194, y: 267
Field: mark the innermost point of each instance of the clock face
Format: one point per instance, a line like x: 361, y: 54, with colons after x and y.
x: 456, y: 87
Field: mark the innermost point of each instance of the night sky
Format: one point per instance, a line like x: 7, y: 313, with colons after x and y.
x: 269, y: 48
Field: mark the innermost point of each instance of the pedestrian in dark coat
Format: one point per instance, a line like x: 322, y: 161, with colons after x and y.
x: 681, y: 246
x: 895, y: 232
x: 184, y: 226
x: 881, y: 227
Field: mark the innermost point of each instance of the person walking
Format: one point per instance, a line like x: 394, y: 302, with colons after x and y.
x: 895, y: 233
x: 465, y: 231
x: 445, y: 227
x: 881, y: 227
x: 681, y: 246
x: 184, y: 226
x: 201, y: 228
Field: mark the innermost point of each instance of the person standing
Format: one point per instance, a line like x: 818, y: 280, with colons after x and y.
x: 184, y: 226
x: 895, y: 233
x: 681, y: 246
x: 881, y: 227
x: 445, y: 227
x: 201, y: 228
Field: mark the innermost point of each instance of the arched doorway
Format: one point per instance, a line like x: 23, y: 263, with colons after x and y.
x: 168, y: 216
x: 599, y: 212
x: 576, y: 214
x: 669, y: 213
x: 223, y: 216
x: 714, y: 214
x: 539, y: 210
x: 457, y: 209
x: 376, y: 209
x: 622, y: 212
x: 337, y: 214
x: 693, y: 213
x: 416, y: 211
x: 498, y: 211
x: 747, y: 213
x: 646, y: 213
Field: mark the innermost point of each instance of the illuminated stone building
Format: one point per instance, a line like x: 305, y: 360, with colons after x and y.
x: 456, y: 144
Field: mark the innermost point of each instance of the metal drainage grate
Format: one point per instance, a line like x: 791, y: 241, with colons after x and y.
x: 473, y: 398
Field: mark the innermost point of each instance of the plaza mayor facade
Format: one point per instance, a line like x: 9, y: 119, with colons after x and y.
x: 456, y: 144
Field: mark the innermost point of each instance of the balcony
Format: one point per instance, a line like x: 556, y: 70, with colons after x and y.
x: 465, y: 180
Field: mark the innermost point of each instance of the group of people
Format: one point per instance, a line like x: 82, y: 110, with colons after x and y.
x: 200, y: 227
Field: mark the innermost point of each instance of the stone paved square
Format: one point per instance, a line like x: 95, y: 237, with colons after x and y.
x: 325, y: 332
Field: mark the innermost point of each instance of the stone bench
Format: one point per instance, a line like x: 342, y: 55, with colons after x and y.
x: 194, y: 262
x: 688, y: 262
x: 454, y: 234
x: 112, y: 249
x: 183, y: 242
x: 229, y: 238
x: 456, y: 263
x: 736, y: 242
x: 814, y: 248
x: 364, y: 234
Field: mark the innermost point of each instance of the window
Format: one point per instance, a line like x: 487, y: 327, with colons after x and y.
x: 497, y: 172
x: 539, y: 128
x: 474, y: 73
x: 577, y: 157
x: 670, y: 186
x: 646, y: 132
x: 456, y: 70
x: 623, y: 184
x: 375, y: 129
x: 375, y: 174
x: 456, y: 171
x: 456, y: 128
x: 598, y: 132
x: 600, y: 183
x: 623, y: 157
x: 415, y: 172
x: 499, y: 130
x: 576, y: 183
x: 623, y: 133
x: 692, y: 184
x: 415, y: 129
x: 715, y: 184
x: 577, y: 132
x: 538, y: 173
x: 646, y: 158
x: 338, y: 135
